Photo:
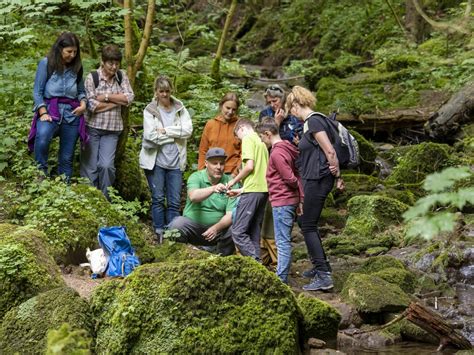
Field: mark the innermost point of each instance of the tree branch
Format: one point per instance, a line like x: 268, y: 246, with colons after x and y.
x: 442, y: 26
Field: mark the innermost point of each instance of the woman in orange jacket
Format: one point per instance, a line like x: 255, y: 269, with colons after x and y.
x: 219, y: 132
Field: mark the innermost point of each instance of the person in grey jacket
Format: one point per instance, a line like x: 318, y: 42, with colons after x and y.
x: 166, y: 127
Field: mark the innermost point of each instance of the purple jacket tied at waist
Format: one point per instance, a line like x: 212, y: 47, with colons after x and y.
x: 53, y: 110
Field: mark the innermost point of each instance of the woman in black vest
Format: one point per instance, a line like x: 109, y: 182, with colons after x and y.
x: 319, y: 168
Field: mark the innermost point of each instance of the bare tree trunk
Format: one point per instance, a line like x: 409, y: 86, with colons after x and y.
x: 215, y: 70
x: 417, y: 28
x: 133, y: 62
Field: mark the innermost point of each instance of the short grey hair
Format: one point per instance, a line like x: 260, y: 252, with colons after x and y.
x: 274, y: 90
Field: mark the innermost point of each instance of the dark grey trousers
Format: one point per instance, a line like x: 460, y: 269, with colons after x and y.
x: 247, y: 223
x: 191, y: 232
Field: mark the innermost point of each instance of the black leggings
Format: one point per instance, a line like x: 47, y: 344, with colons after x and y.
x: 315, y: 193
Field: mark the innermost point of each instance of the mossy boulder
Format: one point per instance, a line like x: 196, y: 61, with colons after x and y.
x: 357, y: 184
x: 131, y: 182
x: 372, y: 214
x: 66, y: 340
x: 217, y: 305
x: 391, y: 270
x: 372, y: 294
x: 26, y: 268
x: 367, y: 154
x: 70, y: 217
x: 320, y: 319
x: 409, y: 331
x: 420, y: 160
x: 174, y: 252
x: 24, y: 328
x: 405, y: 196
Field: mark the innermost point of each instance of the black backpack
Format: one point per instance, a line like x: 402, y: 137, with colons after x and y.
x: 344, y: 143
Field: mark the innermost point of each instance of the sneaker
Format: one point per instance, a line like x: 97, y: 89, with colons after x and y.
x: 322, y: 281
x: 311, y: 273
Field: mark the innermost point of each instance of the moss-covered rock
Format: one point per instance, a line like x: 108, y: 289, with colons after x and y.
x: 379, y: 263
x: 217, y: 305
x: 178, y: 252
x: 422, y: 159
x: 70, y: 217
x: 321, y: 320
x: 131, y: 181
x: 367, y: 154
x: 409, y: 331
x: 66, y: 340
x: 403, y: 278
x: 405, y: 196
x: 371, y: 294
x: 26, y: 268
x: 371, y: 214
x: 357, y: 184
x: 24, y: 328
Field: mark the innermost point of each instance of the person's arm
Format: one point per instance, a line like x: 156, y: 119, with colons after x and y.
x: 199, y: 195
x: 331, y: 156
x: 203, y: 147
x: 182, y: 130
x: 247, y: 169
x: 124, y: 98
x: 38, y: 90
x: 225, y: 222
x: 285, y: 170
x: 81, y: 96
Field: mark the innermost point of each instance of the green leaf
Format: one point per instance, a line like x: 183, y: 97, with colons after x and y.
x: 445, y: 179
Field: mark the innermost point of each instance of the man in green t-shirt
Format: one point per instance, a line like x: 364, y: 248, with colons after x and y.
x: 207, y: 216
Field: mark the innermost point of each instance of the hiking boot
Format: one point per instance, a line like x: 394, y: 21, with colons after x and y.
x: 311, y: 273
x: 322, y: 281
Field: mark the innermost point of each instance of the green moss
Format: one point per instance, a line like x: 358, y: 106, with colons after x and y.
x: 321, y: 320
x: 25, y: 327
x: 299, y: 252
x: 177, y: 252
x: 371, y: 214
x: 131, y: 182
x: 70, y: 217
x: 66, y: 340
x: 217, y: 305
x: 403, y: 278
x: 419, y: 161
x: 410, y: 331
x: 380, y: 263
x: 405, y: 196
x: 371, y: 294
x: 333, y: 217
x: 376, y: 251
x: 357, y: 184
x: 367, y: 153
x: 26, y: 268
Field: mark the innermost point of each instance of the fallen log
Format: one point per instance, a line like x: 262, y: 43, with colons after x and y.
x: 458, y: 110
x: 433, y: 323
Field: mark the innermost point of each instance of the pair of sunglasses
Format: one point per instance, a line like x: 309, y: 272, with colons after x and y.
x: 274, y: 88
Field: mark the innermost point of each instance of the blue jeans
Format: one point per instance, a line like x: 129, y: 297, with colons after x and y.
x: 164, y: 183
x: 283, y: 219
x: 68, y: 134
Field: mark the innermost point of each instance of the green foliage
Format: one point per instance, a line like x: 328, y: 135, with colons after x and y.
x: 217, y: 305
x: 435, y: 213
x: 66, y: 340
x: 24, y: 328
x: 320, y: 320
x: 70, y: 215
x: 26, y: 268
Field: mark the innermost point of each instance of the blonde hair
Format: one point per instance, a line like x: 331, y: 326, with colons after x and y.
x: 162, y: 82
x: 301, y: 96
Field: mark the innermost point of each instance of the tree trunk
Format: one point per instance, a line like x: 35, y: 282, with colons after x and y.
x: 133, y: 62
x: 417, y: 28
x: 448, y: 119
x: 434, y: 324
x: 215, y: 69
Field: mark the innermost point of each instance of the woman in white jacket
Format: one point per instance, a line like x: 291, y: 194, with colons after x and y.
x: 166, y: 127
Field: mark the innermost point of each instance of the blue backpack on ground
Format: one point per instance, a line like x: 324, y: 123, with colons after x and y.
x: 122, y: 258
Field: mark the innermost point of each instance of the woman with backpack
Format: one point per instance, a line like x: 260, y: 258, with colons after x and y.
x: 60, y: 102
x: 108, y: 89
x: 167, y: 126
x: 319, y: 169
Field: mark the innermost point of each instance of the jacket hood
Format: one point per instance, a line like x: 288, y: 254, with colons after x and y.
x: 288, y: 147
x: 221, y: 118
x: 152, y: 107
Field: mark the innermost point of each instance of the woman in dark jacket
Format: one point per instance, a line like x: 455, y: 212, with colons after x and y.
x: 319, y: 168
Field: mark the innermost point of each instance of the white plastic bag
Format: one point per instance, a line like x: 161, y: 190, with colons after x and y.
x: 98, y: 260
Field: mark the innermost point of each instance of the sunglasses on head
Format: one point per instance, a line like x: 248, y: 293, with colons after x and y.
x: 274, y: 88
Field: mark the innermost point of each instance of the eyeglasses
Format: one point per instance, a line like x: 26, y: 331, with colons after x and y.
x: 111, y: 64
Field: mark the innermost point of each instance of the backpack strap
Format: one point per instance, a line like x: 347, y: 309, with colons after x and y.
x: 95, y: 77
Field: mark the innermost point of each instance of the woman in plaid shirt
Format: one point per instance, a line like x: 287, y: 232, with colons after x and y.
x: 104, y: 118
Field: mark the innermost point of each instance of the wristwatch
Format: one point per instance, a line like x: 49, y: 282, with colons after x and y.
x: 107, y: 97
